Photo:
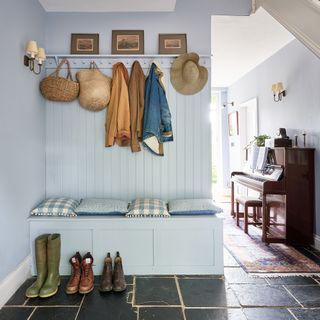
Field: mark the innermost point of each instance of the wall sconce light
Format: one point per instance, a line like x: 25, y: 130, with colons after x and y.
x: 34, y: 53
x: 278, y: 91
x: 228, y: 104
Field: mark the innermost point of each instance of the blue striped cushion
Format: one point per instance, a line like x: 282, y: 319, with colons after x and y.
x: 193, y: 207
x: 102, y: 207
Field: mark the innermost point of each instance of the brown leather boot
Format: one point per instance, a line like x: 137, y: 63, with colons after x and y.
x: 106, y: 280
x: 73, y: 283
x: 119, y: 282
x: 87, y: 278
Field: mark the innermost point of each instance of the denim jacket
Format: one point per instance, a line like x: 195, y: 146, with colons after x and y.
x: 157, y: 127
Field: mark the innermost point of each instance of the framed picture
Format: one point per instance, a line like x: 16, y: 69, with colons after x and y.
x: 233, y: 123
x: 172, y: 43
x: 84, y: 43
x: 127, y: 42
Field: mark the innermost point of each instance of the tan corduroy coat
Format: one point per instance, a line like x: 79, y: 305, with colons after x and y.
x: 118, y: 115
x: 136, y: 98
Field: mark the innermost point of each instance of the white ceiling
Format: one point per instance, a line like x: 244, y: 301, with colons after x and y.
x: 316, y: 2
x: 239, y: 44
x: 108, y: 5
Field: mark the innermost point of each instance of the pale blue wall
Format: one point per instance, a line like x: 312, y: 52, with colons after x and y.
x: 186, y: 169
x: 299, y: 70
x: 191, y: 17
x: 22, y: 113
x: 22, y: 131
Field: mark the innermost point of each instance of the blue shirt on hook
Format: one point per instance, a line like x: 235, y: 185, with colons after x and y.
x: 157, y: 127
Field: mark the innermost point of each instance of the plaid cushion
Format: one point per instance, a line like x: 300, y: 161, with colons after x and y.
x: 148, y: 208
x: 56, y: 207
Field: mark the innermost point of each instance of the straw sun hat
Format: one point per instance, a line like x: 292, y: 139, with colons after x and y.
x: 187, y: 76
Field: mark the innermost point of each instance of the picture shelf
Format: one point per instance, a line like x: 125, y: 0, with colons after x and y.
x: 79, y: 59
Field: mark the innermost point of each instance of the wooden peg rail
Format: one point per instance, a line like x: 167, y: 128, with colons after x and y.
x: 107, y: 61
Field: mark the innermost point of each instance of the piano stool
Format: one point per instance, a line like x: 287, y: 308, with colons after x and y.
x: 248, y: 202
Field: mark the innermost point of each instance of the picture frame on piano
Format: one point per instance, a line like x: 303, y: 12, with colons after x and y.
x: 233, y: 123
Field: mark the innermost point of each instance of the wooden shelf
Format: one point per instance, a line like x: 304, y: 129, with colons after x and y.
x: 58, y: 56
x: 97, y: 56
x: 106, y: 61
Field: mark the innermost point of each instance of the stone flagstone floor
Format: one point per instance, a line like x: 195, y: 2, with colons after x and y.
x: 236, y: 296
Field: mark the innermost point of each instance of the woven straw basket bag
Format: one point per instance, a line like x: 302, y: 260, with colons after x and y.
x: 56, y: 88
x: 94, y: 88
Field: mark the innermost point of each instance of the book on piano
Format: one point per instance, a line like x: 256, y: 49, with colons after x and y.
x: 258, y: 158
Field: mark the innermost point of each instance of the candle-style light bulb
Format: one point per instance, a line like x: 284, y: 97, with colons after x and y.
x: 304, y: 139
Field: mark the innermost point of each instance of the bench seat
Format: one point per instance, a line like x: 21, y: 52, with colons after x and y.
x: 155, y: 246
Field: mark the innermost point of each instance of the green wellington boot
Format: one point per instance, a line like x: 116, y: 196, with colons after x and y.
x: 41, y: 264
x: 50, y: 287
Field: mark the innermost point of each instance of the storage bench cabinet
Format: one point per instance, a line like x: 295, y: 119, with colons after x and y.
x: 148, y: 246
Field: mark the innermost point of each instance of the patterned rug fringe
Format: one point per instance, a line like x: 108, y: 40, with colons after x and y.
x: 283, y: 275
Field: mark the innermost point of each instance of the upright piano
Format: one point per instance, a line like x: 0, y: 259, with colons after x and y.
x: 288, y: 200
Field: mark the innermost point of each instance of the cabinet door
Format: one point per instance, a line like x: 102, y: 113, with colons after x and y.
x: 134, y: 245
x: 185, y: 247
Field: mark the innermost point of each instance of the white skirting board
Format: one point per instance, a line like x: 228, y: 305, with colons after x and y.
x: 158, y: 246
x: 14, y: 280
x: 317, y: 242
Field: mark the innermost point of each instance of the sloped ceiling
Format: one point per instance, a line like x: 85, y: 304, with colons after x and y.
x: 239, y: 44
x: 108, y: 5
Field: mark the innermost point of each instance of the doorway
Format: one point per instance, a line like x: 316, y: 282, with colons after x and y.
x: 247, y: 122
x: 220, y: 146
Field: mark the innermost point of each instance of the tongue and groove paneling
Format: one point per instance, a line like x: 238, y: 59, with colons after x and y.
x: 78, y: 165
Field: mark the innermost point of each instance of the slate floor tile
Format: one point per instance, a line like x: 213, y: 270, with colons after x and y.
x: 205, y: 276
x: 61, y: 298
x: 157, y: 276
x: 55, y: 313
x: 129, y: 279
x: 315, y: 252
x: 229, y: 260
x: 311, y: 248
x: 263, y: 296
x: 15, y: 313
x: 160, y: 313
x: 19, y: 296
x: 129, y: 293
x: 156, y: 291
x: 207, y: 293
x: 214, y: 314
x: 308, y: 296
x: 306, y: 314
x: 106, y: 306
x: 97, y: 280
x: 311, y: 255
x: 238, y: 275
x: 268, y: 314
x: 292, y: 281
